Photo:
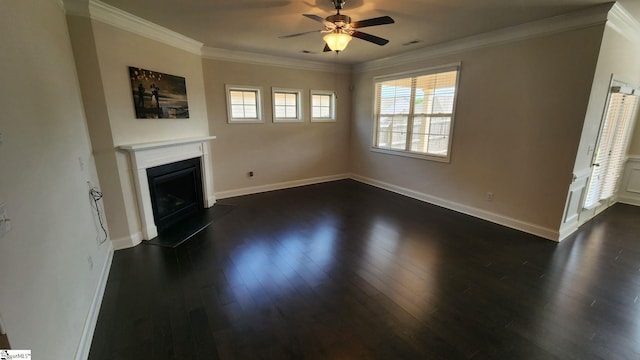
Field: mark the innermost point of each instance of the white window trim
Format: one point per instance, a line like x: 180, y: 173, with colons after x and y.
x: 258, y: 90
x: 332, y: 110
x: 402, y: 75
x: 298, y: 93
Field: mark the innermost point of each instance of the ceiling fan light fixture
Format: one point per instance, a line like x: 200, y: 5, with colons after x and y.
x: 337, y: 41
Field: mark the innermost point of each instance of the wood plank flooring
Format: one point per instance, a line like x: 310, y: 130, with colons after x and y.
x: 343, y: 270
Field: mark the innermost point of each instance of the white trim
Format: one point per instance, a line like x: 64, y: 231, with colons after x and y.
x: 279, y: 186
x: 120, y: 19
x: 628, y: 201
x: 411, y: 154
x: 126, y: 242
x: 582, y: 173
x: 144, y: 156
x: 621, y: 21
x: 628, y: 193
x: 332, y: 105
x: 414, y: 75
x: 566, y: 231
x: 298, y: 92
x: 92, y: 317
x: 168, y: 143
x: 259, y: 113
x: 527, y: 227
x: 576, y: 20
x: 252, y: 58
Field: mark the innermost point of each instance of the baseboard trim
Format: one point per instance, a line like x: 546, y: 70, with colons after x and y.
x: 566, y: 231
x: 629, y: 201
x: 533, y: 229
x: 127, y: 241
x: 279, y: 186
x: 94, y: 310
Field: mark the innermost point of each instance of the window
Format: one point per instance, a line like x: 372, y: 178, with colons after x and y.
x: 243, y: 104
x: 414, y: 113
x: 322, y: 106
x: 286, y: 105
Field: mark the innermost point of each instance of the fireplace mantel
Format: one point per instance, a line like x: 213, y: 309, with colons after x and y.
x: 147, y: 155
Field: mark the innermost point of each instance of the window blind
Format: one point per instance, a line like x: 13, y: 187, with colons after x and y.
x: 612, y: 145
x: 414, y: 114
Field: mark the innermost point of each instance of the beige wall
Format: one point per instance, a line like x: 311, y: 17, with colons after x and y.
x: 519, y: 114
x: 103, y: 54
x: 46, y: 284
x: 276, y: 152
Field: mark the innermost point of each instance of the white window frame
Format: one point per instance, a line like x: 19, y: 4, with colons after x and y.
x: 258, y: 91
x: 298, y: 94
x: 411, y: 74
x: 332, y: 106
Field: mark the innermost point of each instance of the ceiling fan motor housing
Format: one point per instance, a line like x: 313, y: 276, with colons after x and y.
x: 339, y: 20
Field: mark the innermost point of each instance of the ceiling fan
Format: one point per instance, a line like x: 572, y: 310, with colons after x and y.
x: 339, y: 29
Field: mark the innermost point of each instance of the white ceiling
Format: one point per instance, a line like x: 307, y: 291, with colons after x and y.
x: 254, y: 25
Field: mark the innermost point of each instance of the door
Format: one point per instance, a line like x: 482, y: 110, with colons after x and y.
x: 611, y: 149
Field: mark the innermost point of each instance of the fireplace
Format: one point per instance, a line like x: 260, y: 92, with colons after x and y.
x: 146, y: 156
x: 176, y: 191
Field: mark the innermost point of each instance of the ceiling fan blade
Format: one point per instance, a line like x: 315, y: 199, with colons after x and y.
x: 382, y: 20
x: 371, y: 38
x: 298, y: 34
x: 326, y: 48
x: 318, y: 19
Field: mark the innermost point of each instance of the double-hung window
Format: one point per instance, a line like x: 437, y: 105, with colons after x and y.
x: 414, y: 113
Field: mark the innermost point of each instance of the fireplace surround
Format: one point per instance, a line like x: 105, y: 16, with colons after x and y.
x: 148, y: 155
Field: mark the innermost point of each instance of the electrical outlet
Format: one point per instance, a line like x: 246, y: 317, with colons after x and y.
x: 250, y: 173
x: 5, y: 221
x: 489, y: 196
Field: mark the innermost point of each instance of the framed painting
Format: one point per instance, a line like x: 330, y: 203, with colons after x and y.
x: 157, y: 95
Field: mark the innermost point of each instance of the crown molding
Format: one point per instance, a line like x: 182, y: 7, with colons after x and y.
x: 271, y: 60
x: 576, y: 20
x: 621, y: 21
x: 105, y: 13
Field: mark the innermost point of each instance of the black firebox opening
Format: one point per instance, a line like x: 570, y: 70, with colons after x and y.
x: 176, y: 191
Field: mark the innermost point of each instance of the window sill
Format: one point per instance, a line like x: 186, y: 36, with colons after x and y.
x: 323, y: 120
x: 443, y: 159
x: 247, y: 121
x: 287, y: 121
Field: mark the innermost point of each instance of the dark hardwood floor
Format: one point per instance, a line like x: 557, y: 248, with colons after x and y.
x: 343, y: 270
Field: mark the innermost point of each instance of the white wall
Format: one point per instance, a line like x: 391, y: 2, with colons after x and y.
x: 518, y: 118
x: 276, y: 152
x: 46, y: 284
